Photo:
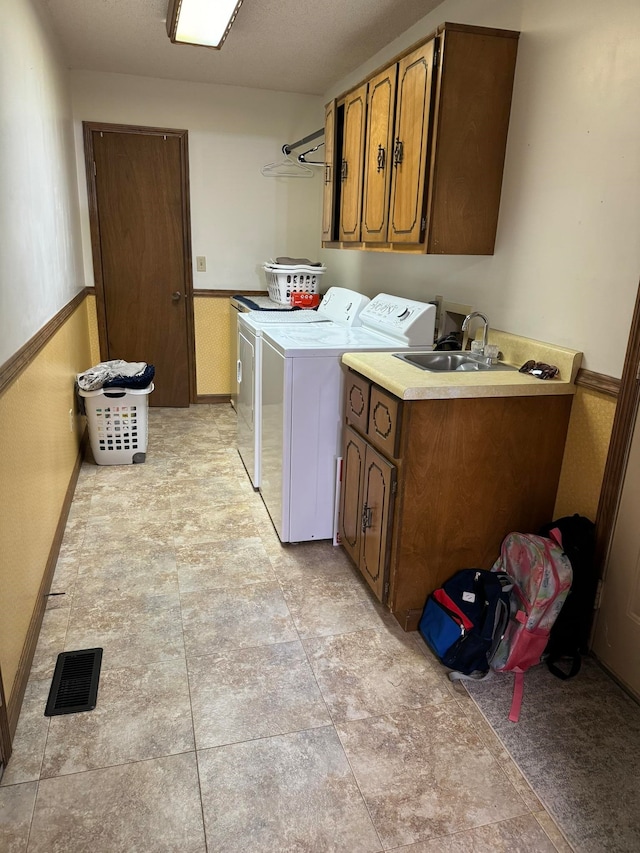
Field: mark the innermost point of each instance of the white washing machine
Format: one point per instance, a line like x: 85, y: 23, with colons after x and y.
x: 339, y: 305
x: 243, y: 303
x: 302, y: 408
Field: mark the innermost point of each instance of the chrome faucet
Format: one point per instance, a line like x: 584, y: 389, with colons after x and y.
x: 485, y: 330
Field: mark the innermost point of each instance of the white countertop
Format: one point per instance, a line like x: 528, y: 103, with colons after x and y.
x: 411, y: 383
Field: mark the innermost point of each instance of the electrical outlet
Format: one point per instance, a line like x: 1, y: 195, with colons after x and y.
x: 72, y: 421
x: 201, y: 263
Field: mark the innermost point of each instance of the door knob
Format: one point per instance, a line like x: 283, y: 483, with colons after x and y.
x: 175, y: 297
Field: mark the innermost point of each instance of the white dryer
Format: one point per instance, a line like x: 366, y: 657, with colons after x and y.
x: 302, y: 408
x: 339, y: 305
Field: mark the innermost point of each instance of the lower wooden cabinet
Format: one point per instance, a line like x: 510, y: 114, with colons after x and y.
x: 433, y: 486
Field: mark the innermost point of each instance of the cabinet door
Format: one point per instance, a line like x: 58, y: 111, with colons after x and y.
x: 377, y: 158
x: 356, y: 404
x: 383, y: 426
x: 411, y: 145
x: 472, y: 107
x: 353, y: 466
x: 328, y: 212
x: 355, y: 114
x: 377, y: 495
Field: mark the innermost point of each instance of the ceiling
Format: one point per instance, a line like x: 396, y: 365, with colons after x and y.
x: 285, y: 45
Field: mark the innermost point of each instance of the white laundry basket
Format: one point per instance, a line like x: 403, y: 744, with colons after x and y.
x: 118, y: 424
x: 282, y: 281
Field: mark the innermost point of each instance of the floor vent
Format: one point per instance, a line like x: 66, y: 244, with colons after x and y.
x: 75, y: 682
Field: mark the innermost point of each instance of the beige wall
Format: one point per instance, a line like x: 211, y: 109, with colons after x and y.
x: 39, y: 451
x: 567, y: 259
x: 239, y: 218
x: 40, y: 251
x: 586, y: 454
x: 212, y: 318
x: 40, y: 273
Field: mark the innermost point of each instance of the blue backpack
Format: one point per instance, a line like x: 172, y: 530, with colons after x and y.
x: 464, y: 620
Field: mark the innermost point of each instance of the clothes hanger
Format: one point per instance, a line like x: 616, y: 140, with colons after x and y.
x: 287, y: 168
x: 298, y: 168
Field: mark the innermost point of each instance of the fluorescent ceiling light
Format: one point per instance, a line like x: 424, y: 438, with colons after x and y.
x: 203, y: 22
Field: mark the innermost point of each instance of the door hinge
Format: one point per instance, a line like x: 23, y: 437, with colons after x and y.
x: 423, y: 223
x: 436, y: 54
x: 638, y: 371
x: 386, y: 590
x: 394, y: 487
x: 599, y: 591
x: 95, y: 171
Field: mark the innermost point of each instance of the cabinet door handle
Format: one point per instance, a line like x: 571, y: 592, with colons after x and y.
x: 367, y: 517
x: 238, y: 371
x: 175, y: 297
x: 381, y: 158
x: 343, y: 171
x: 398, y: 152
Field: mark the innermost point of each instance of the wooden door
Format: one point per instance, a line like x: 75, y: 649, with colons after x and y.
x: 617, y: 633
x: 355, y: 115
x: 353, y: 461
x: 377, y: 158
x: 411, y: 145
x: 328, y: 196
x: 139, y: 207
x: 377, y: 492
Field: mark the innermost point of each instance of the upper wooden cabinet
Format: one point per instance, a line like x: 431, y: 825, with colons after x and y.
x: 432, y: 156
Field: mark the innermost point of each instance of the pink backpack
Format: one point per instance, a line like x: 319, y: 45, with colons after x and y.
x: 542, y: 578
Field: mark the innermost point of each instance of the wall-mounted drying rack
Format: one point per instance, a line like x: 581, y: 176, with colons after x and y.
x: 287, y: 149
x: 298, y: 168
x: 302, y: 158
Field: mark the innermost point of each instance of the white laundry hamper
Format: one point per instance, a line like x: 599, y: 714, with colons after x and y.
x: 118, y: 424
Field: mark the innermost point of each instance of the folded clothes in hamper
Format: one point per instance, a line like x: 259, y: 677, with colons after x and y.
x: 298, y: 262
x: 140, y: 380
x: 123, y: 371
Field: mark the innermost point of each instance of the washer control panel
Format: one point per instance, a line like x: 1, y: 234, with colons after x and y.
x: 409, y: 322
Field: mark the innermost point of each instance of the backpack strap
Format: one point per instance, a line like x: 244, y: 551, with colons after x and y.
x: 556, y: 535
x: 516, y: 701
x: 576, y: 663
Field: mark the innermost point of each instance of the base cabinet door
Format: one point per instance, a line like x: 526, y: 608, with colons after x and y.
x: 377, y: 495
x: 353, y: 467
x: 366, y: 509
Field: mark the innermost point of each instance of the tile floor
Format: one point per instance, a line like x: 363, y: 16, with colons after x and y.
x: 253, y: 697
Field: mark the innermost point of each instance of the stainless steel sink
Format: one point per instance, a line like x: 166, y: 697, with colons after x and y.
x: 448, y: 362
